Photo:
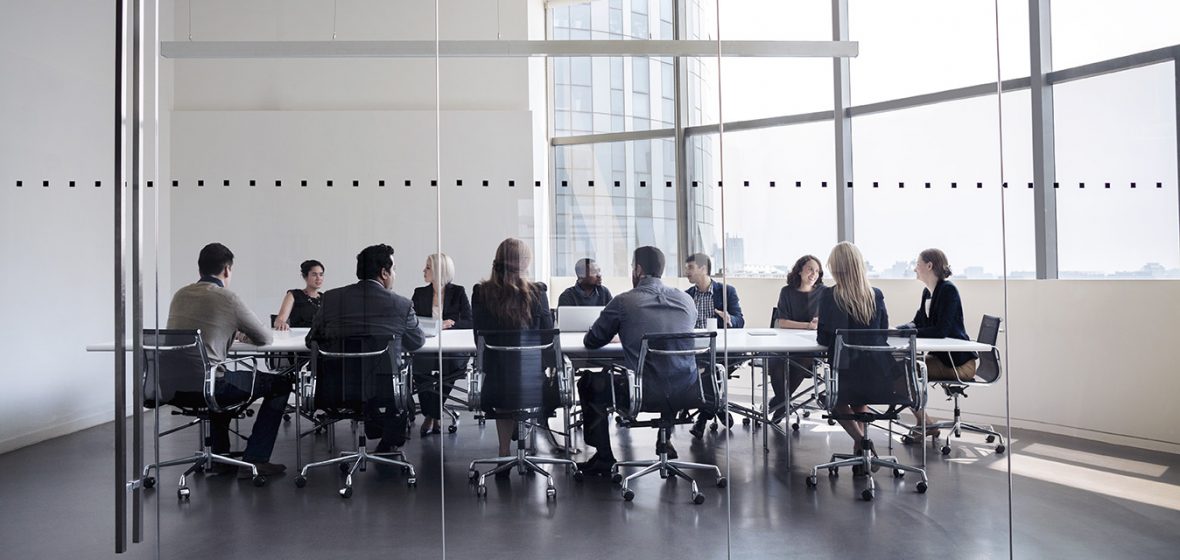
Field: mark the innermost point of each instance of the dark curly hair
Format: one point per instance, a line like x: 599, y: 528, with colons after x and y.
x: 306, y: 266
x: 795, y: 276
x: 372, y: 260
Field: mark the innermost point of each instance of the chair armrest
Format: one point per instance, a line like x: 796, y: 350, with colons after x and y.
x: 921, y: 381
x: 827, y: 399
x: 720, y: 374
x: 565, y: 382
x: 474, y: 388
x: 210, y: 385
x: 634, y: 390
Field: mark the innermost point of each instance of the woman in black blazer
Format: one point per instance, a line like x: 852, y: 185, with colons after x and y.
x: 508, y: 301
x: 943, y: 318
x: 455, y: 312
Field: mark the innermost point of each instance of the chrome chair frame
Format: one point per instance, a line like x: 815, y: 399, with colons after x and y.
x: 867, y: 458
x: 352, y: 461
x: 204, y: 459
x: 522, y: 461
x: 662, y: 464
x: 988, y: 334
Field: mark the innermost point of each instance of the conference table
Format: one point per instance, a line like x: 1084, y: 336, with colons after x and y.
x: 737, y: 345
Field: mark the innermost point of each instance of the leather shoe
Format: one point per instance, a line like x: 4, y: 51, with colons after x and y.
x: 597, y: 465
x: 264, y: 469
x: 698, y: 429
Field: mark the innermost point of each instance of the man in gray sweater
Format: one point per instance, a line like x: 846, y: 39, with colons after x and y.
x: 222, y: 316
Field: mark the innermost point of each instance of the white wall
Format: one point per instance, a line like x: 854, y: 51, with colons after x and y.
x: 56, y: 243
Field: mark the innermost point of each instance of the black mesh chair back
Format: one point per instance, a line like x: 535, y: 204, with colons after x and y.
x: 669, y: 366
x: 176, y: 359
x: 516, y: 369
x: 773, y: 316
x: 871, y: 369
x: 350, y: 372
x: 988, y: 370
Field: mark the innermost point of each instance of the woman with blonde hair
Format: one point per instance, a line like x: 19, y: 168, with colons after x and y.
x: 507, y: 300
x: 852, y: 303
x: 444, y: 300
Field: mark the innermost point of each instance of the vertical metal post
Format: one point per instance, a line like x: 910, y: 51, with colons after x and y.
x: 845, y: 226
x: 1176, y: 100
x: 1044, y: 156
x: 120, y: 301
x: 683, y: 203
x: 136, y: 265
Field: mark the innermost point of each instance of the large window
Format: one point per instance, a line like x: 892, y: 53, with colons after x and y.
x: 1087, y: 31
x: 1118, y: 129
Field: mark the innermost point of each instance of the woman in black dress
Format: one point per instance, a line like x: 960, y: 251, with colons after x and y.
x: 452, y: 307
x: 300, y: 306
x: 798, y: 308
x: 508, y: 301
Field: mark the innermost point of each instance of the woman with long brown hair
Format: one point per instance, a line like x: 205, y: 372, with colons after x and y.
x: 507, y: 300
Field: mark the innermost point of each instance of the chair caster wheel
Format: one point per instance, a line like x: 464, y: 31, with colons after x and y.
x: 628, y: 495
x: 482, y: 421
x: 258, y: 481
x: 834, y: 472
x: 866, y: 495
x: 286, y: 418
x: 795, y: 426
x: 452, y: 429
x: 412, y: 482
x: 722, y: 482
x: 481, y: 491
x: 990, y: 439
x: 472, y: 475
x: 149, y: 481
x: 922, y: 487
x: 698, y: 498
x: 745, y: 421
x: 663, y: 474
x: 346, y: 492
x: 1000, y: 449
x: 618, y: 420
x: 831, y: 422
x: 946, y: 450
x: 578, y: 476
x: 713, y: 426
x: 551, y: 493
x: 182, y: 493
x: 616, y: 478
x: 300, y: 481
x: 807, y: 414
x: 898, y: 473
x: 812, y: 481
x: 907, y: 439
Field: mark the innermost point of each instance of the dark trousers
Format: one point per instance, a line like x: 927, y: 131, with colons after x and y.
x: 426, y: 383
x: 785, y: 372
x: 594, y: 392
x: 233, y: 388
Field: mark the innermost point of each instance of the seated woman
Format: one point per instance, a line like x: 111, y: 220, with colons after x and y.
x: 508, y: 301
x: 798, y: 308
x: 452, y: 307
x: 300, y: 306
x: 850, y: 304
x: 942, y: 318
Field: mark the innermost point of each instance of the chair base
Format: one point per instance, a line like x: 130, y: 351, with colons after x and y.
x: 522, y: 462
x: 352, y: 461
x: 202, y: 460
x: 956, y: 426
x: 866, y: 460
x: 667, y: 468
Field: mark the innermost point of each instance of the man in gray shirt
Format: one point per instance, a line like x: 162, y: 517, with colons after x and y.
x: 222, y: 316
x: 650, y: 308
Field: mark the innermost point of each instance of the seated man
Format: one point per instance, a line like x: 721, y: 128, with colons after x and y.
x: 370, y: 309
x: 221, y: 316
x: 651, y: 307
x: 711, y: 301
x: 588, y: 291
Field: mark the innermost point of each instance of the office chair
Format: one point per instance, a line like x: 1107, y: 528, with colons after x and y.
x: 869, y: 369
x: 178, y: 373
x: 513, y: 369
x: 356, y: 379
x: 987, y: 373
x: 658, y: 356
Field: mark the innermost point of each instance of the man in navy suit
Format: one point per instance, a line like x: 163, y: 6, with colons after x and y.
x: 370, y: 310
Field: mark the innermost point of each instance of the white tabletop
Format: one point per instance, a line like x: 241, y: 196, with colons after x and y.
x: 456, y: 341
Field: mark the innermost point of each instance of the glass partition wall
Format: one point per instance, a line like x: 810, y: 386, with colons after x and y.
x: 737, y: 137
